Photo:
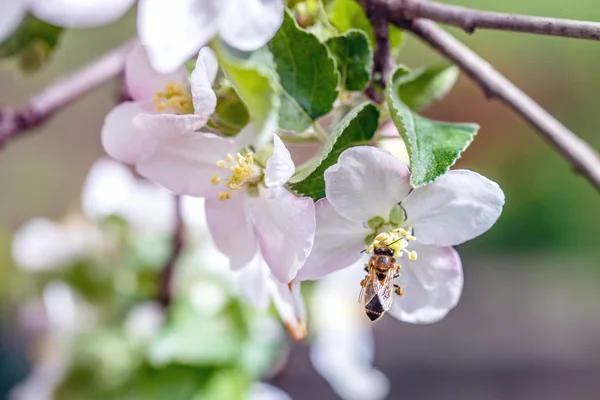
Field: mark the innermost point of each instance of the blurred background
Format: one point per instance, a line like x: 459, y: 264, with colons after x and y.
x: 528, y: 324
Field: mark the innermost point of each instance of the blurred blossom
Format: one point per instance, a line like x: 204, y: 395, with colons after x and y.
x: 42, y: 244
x: 66, y: 311
x: 264, y: 391
x: 144, y: 321
x: 65, y: 13
x: 343, y: 349
x: 391, y: 141
x: 174, y: 31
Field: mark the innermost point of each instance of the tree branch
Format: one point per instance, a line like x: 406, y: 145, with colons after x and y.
x: 576, y: 151
x: 469, y: 19
x: 14, y: 122
x: 166, y: 279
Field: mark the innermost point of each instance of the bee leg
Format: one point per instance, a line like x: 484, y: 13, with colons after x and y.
x: 398, y: 290
x: 366, y: 267
x: 396, y: 275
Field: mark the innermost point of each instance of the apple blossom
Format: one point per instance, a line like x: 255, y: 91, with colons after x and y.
x: 369, y: 194
x: 65, y: 13
x: 174, y: 31
x: 182, y: 102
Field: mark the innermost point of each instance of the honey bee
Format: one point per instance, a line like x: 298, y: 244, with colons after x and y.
x: 378, y: 286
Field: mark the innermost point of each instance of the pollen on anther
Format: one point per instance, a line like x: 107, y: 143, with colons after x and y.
x: 229, y: 158
x: 224, y: 196
x: 412, y: 256
x: 215, y: 179
x: 221, y: 164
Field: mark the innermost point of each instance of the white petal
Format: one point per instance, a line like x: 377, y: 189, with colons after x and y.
x: 80, y: 13
x: 280, y: 166
x: 433, y: 285
x: 121, y: 139
x: 285, y: 226
x: 252, y: 282
x: 211, y: 64
x: 288, y: 301
x: 457, y: 207
x: 366, y: 182
x: 231, y: 229
x: 11, y: 15
x: 249, y: 24
x: 264, y: 391
x: 175, y: 30
x: 143, y: 81
x: 186, y: 162
x: 204, y: 98
x: 106, y: 177
x: 338, y: 243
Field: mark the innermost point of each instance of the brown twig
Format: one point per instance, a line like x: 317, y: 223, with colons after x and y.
x: 15, y: 122
x: 582, y: 156
x: 469, y: 19
x: 166, y: 278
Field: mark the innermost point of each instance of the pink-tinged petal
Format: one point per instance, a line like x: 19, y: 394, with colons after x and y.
x: 167, y: 126
x: 11, y: 16
x: 249, y: 24
x: 79, y: 13
x: 285, y: 227
x: 174, y: 31
x: 121, y: 138
x: 433, y: 285
x: 366, y: 182
x: 204, y: 98
x: 231, y: 229
x: 143, y: 81
x: 280, y: 166
x: 457, y: 207
x: 338, y: 243
x: 288, y: 301
x: 186, y: 162
x: 253, y: 282
x: 211, y: 64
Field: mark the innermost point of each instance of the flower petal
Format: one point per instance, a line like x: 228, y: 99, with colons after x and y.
x: 249, y: 24
x: 288, y: 301
x: 143, y: 81
x: 366, y: 182
x: 186, y: 162
x: 204, y: 98
x: 253, y: 282
x: 264, y: 391
x: 338, y: 243
x: 211, y: 64
x: 457, y: 207
x: 433, y: 285
x: 80, y: 13
x: 285, y: 227
x: 11, y: 16
x: 121, y: 138
x: 174, y: 31
x: 280, y: 166
x: 230, y: 226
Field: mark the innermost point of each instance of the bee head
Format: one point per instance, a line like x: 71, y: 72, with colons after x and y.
x: 384, y: 251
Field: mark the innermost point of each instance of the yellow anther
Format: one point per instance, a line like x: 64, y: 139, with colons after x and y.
x: 242, y: 171
x: 224, y: 196
x: 175, y: 99
x: 215, y: 179
x: 229, y: 158
x: 396, y: 239
x: 221, y: 164
x: 412, y: 256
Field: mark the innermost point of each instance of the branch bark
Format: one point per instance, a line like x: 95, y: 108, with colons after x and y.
x: 576, y: 151
x: 14, y: 122
x: 166, y: 280
x: 469, y: 19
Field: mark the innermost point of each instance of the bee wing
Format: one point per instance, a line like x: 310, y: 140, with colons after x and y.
x: 369, y: 290
x: 386, y: 290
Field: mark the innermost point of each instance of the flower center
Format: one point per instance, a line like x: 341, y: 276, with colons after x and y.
x: 397, y: 239
x: 243, y: 173
x: 174, y: 99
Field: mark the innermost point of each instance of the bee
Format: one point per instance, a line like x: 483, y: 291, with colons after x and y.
x: 378, y: 287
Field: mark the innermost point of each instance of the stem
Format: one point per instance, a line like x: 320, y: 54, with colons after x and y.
x: 469, y: 19
x: 577, y: 152
x: 165, y: 294
x: 14, y: 122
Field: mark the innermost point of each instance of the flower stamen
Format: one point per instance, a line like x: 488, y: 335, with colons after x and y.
x: 244, y: 172
x: 397, y: 240
x: 174, y: 99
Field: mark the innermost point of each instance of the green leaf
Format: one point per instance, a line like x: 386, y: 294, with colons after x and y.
x: 307, y: 75
x: 348, y: 14
x: 230, y: 384
x: 231, y: 114
x: 433, y: 146
x: 253, y: 77
x: 357, y: 128
x: 32, y: 42
x: 424, y: 85
x: 354, y: 58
